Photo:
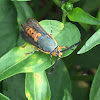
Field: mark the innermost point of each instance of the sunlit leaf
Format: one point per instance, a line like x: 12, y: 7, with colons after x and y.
x: 3, y: 97
x: 37, y: 86
x: 95, y: 89
x: 91, y: 42
x: 78, y: 15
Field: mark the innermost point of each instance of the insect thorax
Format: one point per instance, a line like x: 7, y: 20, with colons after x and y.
x: 46, y: 43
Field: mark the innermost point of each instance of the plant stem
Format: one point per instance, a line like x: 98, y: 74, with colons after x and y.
x: 64, y: 17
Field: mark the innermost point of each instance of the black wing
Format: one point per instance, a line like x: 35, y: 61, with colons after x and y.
x: 35, y: 24
x: 28, y: 39
x: 30, y: 22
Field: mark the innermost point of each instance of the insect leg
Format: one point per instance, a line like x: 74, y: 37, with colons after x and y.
x: 53, y: 66
x: 51, y: 58
x: 71, y: 46
x: 32, y: 52
x: 65, y: 47
x: 43, y: 51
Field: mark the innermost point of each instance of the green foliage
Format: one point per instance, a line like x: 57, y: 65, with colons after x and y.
x: 23, y: 12
x: 67, y: 96
x: 91, y: 42
x: 95, y: 88
x: 19, y: 57
x: 13, y: 89
x: 20, y: 0
x: 2, y: 97
x: 78, y: 15
x: 8, y: 26
x: 59, y: 81
x: 38, y: 83
x: 98, y: 17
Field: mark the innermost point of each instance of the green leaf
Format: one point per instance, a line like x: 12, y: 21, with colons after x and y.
x: 91, y: 5
x: 3, y: 97
x: 80, y: 89
x: 8, y: 26
x: 73, y: 1
x: 24, y: 11
x: 98, y: 17
x: 59, y: 81
x: 20, y: 0
x: 78, y: 15
x: 14, y: 87
x: 37, y: 86
x: 91, y: 42
x: 58, y: 2
x: 85, y: 26
x: 92, y: 59
x: 20, y: 62
x: 15, y: 58
x: 67, y: 95
x: 95, y: 88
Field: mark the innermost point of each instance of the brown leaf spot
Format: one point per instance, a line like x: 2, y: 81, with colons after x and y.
x: 24, y: 46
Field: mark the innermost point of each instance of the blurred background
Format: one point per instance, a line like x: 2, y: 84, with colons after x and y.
x: 81, y: 68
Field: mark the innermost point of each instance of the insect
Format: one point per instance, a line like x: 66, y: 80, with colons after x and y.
x: 33, y: 33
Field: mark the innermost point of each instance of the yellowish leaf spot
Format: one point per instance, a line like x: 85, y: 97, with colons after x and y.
x: 40, y: 61
x: 27, y: 95
x: 37, y: 75
x: 28, y: 69
x: 62, y: 25
x: 34, y: 56
x: 33, y: 47
x: 24, y: 45
x: 24, y: 55
x: 38, y: 78
x: 31, y: 63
